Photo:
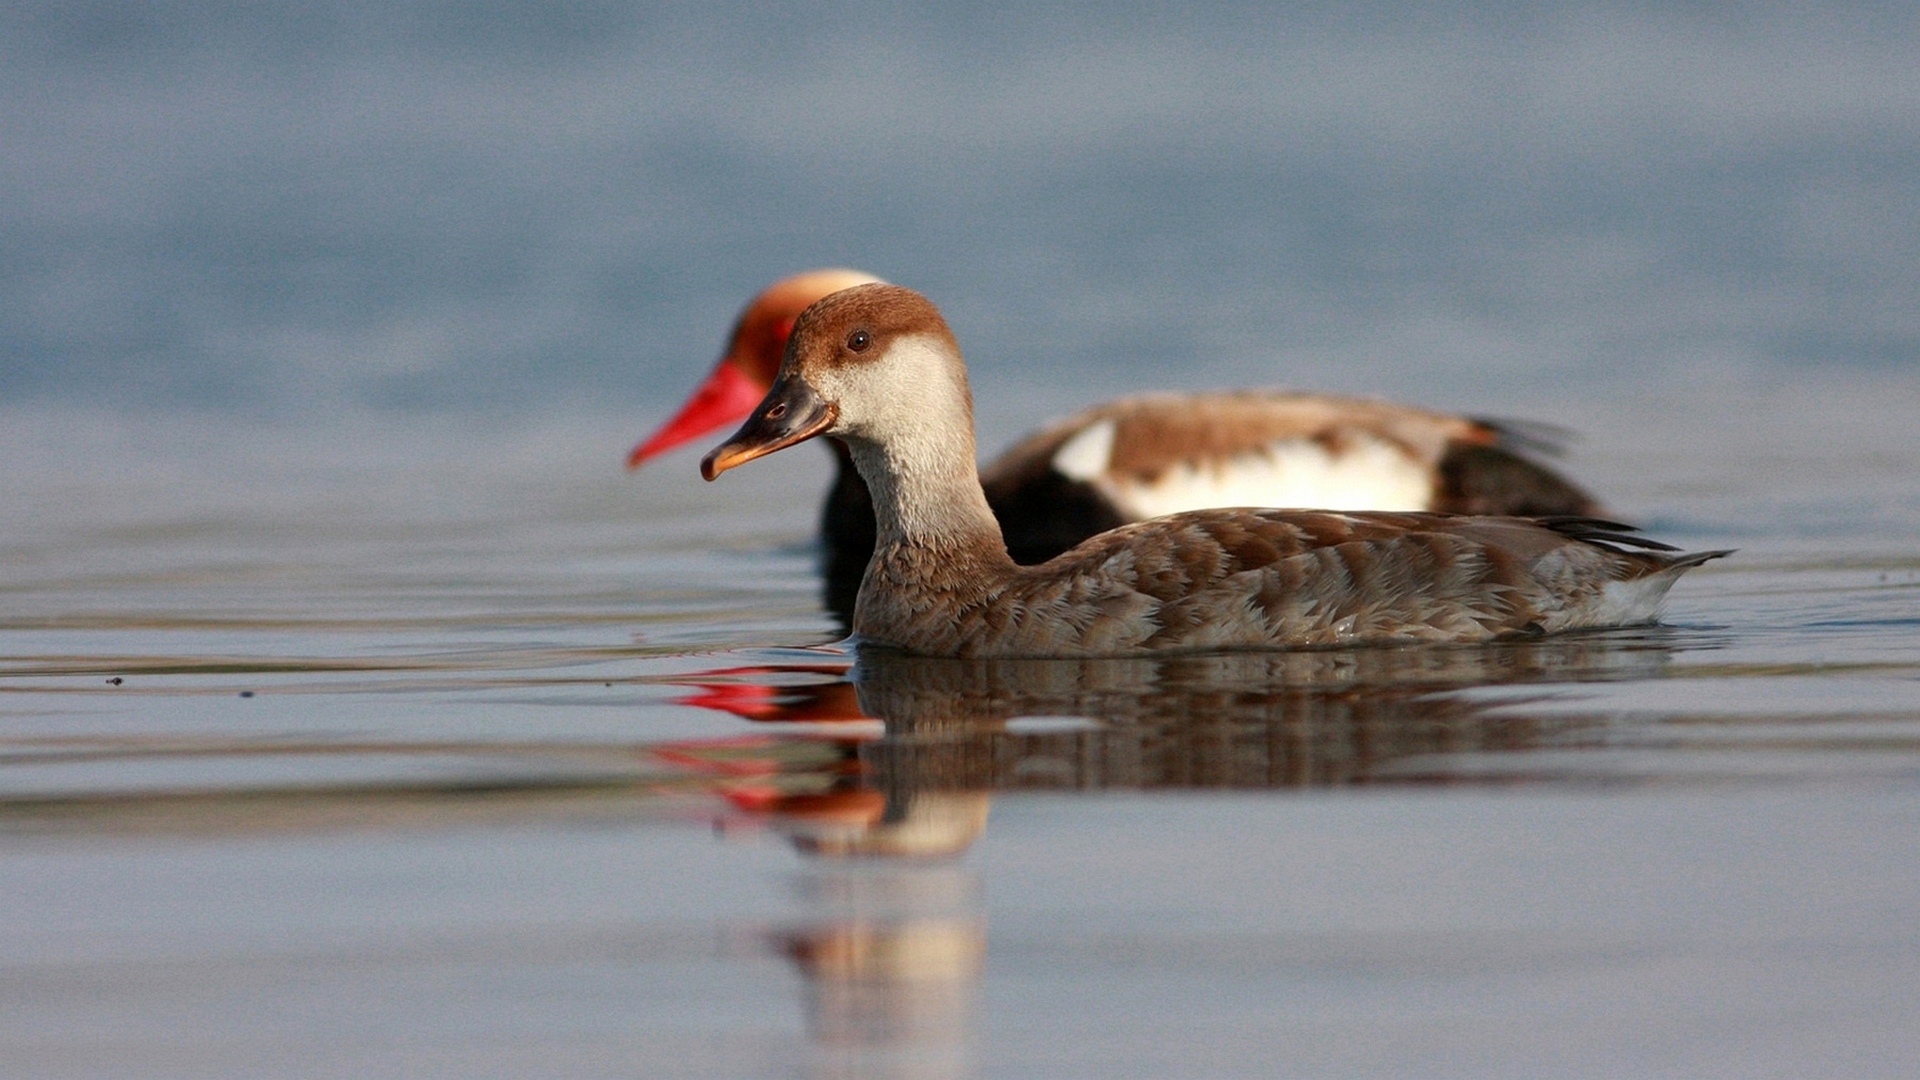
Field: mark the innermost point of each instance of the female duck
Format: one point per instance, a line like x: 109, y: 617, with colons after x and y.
x: 876, y: 367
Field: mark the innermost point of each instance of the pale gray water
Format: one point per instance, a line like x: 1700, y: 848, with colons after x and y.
x: 465, y: 822
x: 360, y: 717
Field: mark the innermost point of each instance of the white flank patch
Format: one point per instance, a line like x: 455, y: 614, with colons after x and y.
x: 1370, y: 474
x: 1085, y: 456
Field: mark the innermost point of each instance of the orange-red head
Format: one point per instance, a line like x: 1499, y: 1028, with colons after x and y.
x: 746, y: 371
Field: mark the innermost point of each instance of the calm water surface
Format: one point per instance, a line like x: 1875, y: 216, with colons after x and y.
x: 402, y: 739
x: 383, y: 747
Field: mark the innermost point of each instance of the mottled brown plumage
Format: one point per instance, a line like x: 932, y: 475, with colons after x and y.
x: 877, y: 367
x: 1211, y: 579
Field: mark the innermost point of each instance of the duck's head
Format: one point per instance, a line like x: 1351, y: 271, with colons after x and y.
x: 875, y: 362
x: 741, y: 378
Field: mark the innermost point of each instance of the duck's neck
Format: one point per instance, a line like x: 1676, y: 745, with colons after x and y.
x: 927, y: 499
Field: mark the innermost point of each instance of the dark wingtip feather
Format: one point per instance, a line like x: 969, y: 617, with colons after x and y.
x: 1602, y: 532
x: 1696, y: 558
x: 1618, y: 537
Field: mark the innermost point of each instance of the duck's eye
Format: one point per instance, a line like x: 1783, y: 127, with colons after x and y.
x: 777, y: 411
x: 859, y: 340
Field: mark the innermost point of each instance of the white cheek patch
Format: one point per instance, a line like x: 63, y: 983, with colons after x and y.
x: 900, y: 396
x: 1367, y: 474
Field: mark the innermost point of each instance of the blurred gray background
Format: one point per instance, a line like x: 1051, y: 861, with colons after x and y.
x: 505, y: 206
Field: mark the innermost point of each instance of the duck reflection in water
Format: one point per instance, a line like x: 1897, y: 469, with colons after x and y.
x: 910, y: 726
x: 897, y: 947
x: 894, y: 944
